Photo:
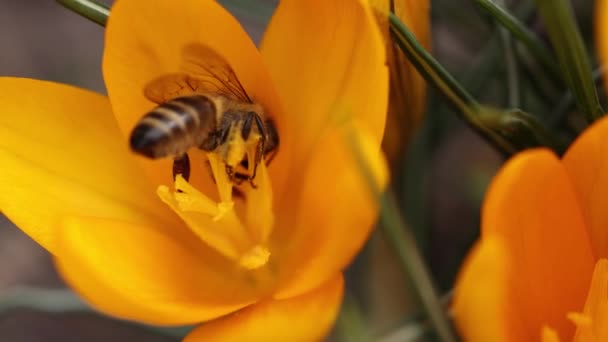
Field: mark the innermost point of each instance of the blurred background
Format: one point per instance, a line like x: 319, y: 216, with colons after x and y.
x: 446, y: 167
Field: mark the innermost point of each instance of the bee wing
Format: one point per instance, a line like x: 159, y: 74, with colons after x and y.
x: 202, y: 71
x: 170, y: 86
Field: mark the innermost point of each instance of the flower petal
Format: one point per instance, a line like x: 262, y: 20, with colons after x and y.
x: 596, y: 307
x: 481, y: 294
x: 308, y: 317
x: 148, y: 39
x: 142, y: 273
x: 407, y: 98
x: 332, y: 210
x: 587, y: 164
x: 326, y: 57
x: 62, y: 154
x: 531, y: 204
x: 601, y: 33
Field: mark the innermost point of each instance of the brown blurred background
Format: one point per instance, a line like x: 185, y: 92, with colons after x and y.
x: 441, y: 193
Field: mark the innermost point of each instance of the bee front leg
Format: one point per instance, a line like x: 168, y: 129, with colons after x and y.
x: 253, y: 185
x: 258, y: 154
x: 181, y: 166
x: 230, y: 173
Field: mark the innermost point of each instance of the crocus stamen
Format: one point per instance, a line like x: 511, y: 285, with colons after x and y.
x: 579, y: 319
x: 241, y: 237
x: 591, y: 322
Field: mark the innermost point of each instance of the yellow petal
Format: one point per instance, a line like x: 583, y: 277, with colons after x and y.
x: 601, y: 33
x: 416, y: 14
x: 144, y: 273
x: 326, y: 57
x: 62, y: 154
x: 596, y: 307
x: 531, y: 204
x: 407, y: 87
x: 304, y: 318
x: 332, y: 212
x: 481, y: 294
x: 587, y: 164
x: 149, y: 39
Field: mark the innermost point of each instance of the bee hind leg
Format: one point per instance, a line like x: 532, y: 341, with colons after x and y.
x: 181, y: 166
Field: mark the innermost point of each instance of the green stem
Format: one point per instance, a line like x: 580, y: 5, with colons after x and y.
x: 260, y: 11
x: 64, y: 301
x: 436, y: 75
x: 39, y: 299
x: 567, y: 100
x: 92, y: 10
x: 400, y: 237
x: 414, y: 327
x: 513, y: 92
x: 544, y: 89
x: 523, y: 34
x: 412, y: 331
x: 566, y: 39
x: 411, y: 46
x: 351, y: 323
x: 486, y: 62
x: 509, y: 131
x: 485, y: 65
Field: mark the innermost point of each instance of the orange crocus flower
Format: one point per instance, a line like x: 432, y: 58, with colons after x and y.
x: 264, y: 268
x: 539, y: 271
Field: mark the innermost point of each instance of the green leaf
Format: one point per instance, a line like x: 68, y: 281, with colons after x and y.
x: 351, y: 325
x: 92, y: 10
x: 401, y: 239
x: 487, y: 123
x: 564, y: 34
x: 523, y: 34
x: 42, y: 299
x: 62, y: 300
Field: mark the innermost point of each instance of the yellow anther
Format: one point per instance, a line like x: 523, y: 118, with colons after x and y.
x: 255, y: 258
x: 222, y: 209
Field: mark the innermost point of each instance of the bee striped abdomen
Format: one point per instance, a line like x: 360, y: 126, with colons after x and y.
x: 173, y: 127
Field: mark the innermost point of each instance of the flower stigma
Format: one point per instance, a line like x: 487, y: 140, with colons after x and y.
x: 240, y: 235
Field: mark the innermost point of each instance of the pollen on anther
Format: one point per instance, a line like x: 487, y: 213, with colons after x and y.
x: 255, y: 258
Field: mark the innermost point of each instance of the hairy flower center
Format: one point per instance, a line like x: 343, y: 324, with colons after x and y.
x: 242, y: 238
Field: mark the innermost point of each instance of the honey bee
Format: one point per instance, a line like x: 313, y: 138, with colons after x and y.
x: 205, y: 107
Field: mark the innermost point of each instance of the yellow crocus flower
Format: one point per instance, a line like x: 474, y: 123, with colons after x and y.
x: 264, y: 268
